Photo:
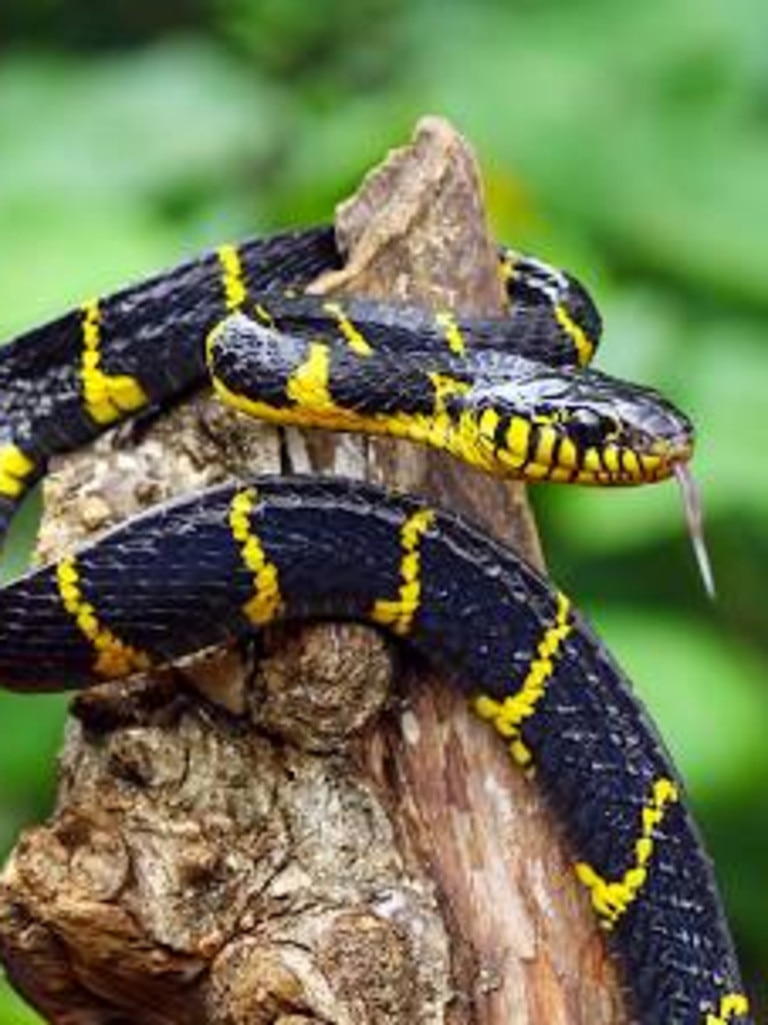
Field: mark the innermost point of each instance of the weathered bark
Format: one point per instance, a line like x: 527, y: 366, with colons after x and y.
x: 315, y: 841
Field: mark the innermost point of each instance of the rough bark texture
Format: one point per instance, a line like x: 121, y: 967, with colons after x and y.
x: 303, y: 836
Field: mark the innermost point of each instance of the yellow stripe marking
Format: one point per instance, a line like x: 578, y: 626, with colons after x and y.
x: 612, y: 898
x: 232, y: 277
x: 353, y: 336
x: 465, y: 433
x: 611, y: 459
x: 732, y: 1005
x: 507, y: 716
x: 107, y: 396
x: 545, y: 449
x: 568, y: 454
x: 452, y: 333
x: 631, y: 463
x: 591, y: 461
x: 536, y: 471
x: 266, y: 602
x: 445, y: 387
x: 264, y: 315
x: 439, y: 429
x: 15, y: 468
x: 507, y: 266
x: 308, y: 388
x: 114, y: 658
x: 398, y: 614
x: 591, y: 477
x: 518, y: 440
x: 489, y: 421
x: 584, y: 346
x: 308, y: 385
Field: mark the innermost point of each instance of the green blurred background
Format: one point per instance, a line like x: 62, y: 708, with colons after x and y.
x: 628, y: 142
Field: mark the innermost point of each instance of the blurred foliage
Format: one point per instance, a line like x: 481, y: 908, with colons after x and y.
x: 628, y: 142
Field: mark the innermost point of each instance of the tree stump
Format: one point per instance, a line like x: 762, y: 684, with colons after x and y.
x: 290, y: 832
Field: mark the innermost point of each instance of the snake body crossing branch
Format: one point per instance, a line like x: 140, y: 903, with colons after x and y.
x: 513, y: 397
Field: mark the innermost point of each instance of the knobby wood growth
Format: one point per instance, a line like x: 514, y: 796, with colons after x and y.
x: 302, y: 835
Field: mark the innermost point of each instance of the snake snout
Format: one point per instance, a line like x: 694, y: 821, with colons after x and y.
x: 668, y: 442
x: 677, y: 449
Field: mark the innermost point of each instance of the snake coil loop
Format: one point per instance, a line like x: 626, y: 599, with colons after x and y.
x: 513, y: 397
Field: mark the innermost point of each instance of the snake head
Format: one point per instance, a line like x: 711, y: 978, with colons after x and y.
x: 593, y: 429
x: 583, y: 426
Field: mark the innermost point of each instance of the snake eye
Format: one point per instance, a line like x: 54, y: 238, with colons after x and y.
x: 585, y: 417
x: 593, y: 427
x: 610, y: 427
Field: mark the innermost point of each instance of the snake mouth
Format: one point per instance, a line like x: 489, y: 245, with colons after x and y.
x: 612, y: 464
x: 676, y: 449
x: 662, y: 459
x: 670, y: 454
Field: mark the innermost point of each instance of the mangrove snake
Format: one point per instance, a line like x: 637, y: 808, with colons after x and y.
x: 510, y: 396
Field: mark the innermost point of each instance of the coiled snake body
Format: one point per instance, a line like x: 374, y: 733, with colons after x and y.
x: 513, y: 397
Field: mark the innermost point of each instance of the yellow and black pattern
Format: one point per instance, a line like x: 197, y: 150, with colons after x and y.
x: 139, y: 348
x: 16, y: 469
x: 509, y: 715
x: 512, y: 397
x: 112, y: 658
x: 533, y: 276
x: 612, y: 897
x: 215, y: 566
x: 397, y: 614
x: 107, y: 397
x: 265, y: 604
x: 466, y: 406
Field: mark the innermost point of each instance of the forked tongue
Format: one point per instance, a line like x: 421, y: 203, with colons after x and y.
x: 693, y: 517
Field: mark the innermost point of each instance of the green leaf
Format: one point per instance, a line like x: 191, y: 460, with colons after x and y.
x: 706, y: 693
x: 13, y: 1011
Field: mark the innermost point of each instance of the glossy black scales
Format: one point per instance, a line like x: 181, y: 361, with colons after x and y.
x: 138, y: 349
x: 510, y: 396
x: 211, y: 568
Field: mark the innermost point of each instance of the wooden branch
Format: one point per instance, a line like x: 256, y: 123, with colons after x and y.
x: 302, y: 846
